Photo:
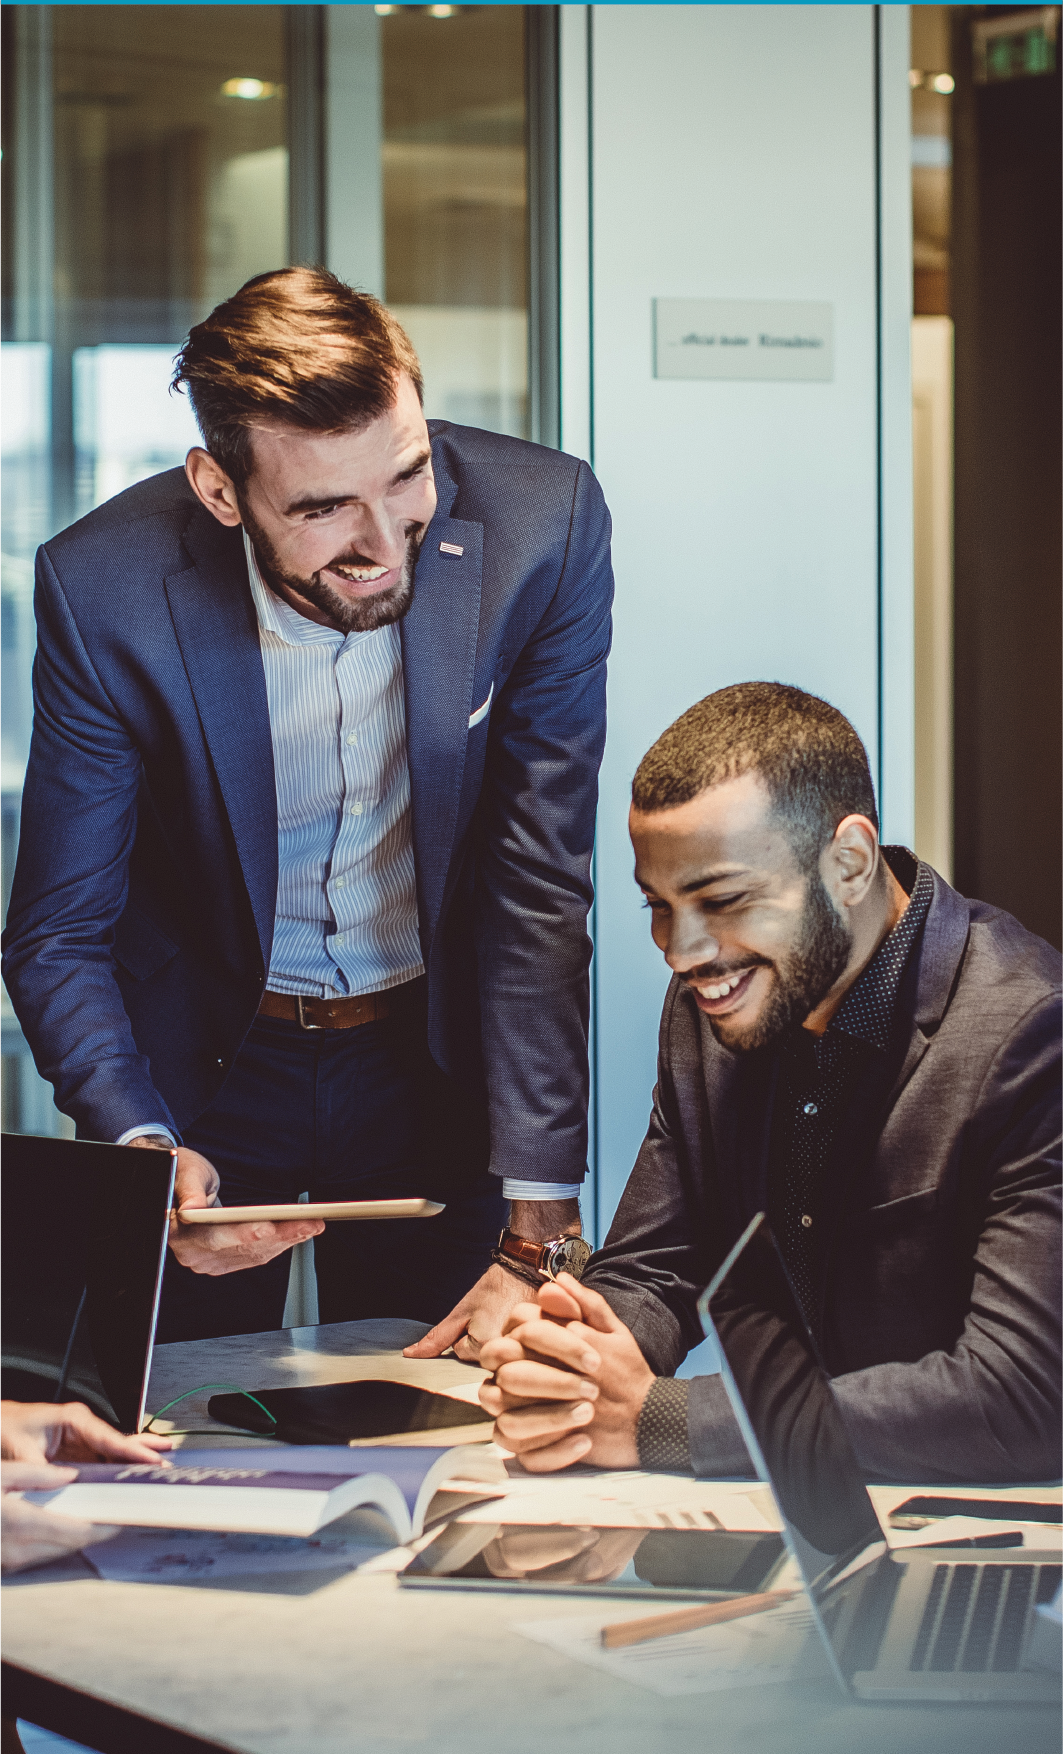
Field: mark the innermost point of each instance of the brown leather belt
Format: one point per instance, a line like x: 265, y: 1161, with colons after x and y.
x: 329, y: 1013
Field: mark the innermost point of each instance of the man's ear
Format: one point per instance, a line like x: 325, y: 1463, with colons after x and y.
x: 212, y: 487
x: 850, y: 862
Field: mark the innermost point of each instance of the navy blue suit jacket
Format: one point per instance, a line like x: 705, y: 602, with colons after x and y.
x: 142, y: 912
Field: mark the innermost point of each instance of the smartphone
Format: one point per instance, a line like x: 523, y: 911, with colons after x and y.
x: 343, y: 1211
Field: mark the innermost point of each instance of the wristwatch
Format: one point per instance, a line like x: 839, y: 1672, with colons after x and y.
x: 543, y: 1260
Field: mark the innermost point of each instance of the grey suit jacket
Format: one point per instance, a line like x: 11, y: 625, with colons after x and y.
x: 941, y: 1289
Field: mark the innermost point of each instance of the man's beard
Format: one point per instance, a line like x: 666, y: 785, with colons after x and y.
x: 802, y: 979
x: 348, y: 614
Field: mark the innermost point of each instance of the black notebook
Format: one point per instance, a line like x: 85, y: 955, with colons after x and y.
x: 345, y: 1412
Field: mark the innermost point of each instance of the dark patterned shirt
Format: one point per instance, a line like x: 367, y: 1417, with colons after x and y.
x: 819, y: 1077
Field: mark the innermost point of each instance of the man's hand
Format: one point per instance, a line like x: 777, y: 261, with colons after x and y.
x: 222, y: 1248
x: 569, y: 1381
x: 482, y: 1314
x: 39, y: 1431
x: 30, y: 1534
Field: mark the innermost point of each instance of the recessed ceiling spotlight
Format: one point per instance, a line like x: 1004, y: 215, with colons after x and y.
x: 254, y: 90
x: 441, y: 11
x: 915, y: 75
x: 944, y: 83
x: 385, y: 11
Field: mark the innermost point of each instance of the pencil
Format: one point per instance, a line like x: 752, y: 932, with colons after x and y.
x: 688, y: 1619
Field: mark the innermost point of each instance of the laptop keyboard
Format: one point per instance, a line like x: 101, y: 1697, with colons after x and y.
x: 975, y: 1616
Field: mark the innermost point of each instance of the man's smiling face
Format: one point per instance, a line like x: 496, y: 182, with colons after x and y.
x: 336, y: 519
x: 757, y: 939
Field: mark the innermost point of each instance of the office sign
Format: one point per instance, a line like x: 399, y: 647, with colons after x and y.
x: 742, y: 338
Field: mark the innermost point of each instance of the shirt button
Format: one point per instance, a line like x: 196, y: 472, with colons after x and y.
x: 356, y: 809
x: 352, y: 736
x: 806, y: 1222
x: 340, y: 882
x: 810, y: 1109
x: 338, y: 939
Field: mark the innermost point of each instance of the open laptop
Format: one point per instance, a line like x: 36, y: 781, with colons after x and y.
x: 917, y: 1624
x: 83, y: 1232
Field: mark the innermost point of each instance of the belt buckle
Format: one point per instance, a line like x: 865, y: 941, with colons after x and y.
x: 303, y: 1024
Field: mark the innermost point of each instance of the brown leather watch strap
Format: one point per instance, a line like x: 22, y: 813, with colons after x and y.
x: 522, y: 1249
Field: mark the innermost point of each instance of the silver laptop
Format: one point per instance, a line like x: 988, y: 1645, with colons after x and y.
x: 917, y: 1624
x: 83, y: 1234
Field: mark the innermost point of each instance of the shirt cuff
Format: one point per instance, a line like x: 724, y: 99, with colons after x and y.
x: 662, y: 1436
x: 518, y: 1190
x: 156, y: 1131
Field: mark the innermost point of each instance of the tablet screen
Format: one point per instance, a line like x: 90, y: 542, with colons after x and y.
x: 683, y: 1563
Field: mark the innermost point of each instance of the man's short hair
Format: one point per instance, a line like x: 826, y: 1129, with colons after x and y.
x: 807, y: 753
x: 297, y: 346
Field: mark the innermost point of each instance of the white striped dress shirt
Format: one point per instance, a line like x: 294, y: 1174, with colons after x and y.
x: 346, y: 893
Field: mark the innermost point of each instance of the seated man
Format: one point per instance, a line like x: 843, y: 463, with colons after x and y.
x: 850, y: 1045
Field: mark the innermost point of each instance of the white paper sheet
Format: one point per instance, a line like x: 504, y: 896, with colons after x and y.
x: 758, y: 1652
x: 624, y: 1500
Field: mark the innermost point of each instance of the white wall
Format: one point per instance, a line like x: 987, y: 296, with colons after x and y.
x: 733, y: 156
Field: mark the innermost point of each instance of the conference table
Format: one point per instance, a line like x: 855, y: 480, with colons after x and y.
x: 352, y: 1663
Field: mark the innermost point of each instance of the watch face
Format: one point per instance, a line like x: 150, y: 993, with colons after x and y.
x: 570, y: 1256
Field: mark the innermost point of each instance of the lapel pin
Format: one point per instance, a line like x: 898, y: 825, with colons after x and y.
x: 450, y: 548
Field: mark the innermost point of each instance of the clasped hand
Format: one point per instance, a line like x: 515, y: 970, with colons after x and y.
x: 568, y: 1381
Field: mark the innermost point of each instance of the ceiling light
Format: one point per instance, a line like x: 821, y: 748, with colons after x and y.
x: 252, y: 89
x: 441, y: 11
x: 384, y: 11
x: 944, y: 83
x: 915, y: 77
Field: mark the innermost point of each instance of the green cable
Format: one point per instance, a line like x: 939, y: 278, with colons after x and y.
x: 203, y: 1389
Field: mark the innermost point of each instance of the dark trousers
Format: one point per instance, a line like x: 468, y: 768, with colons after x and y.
x: 345, y: 1114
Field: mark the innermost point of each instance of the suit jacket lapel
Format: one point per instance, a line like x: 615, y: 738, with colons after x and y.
x: 438, y: 656
x: 214, y: 617
x: 940, y: 952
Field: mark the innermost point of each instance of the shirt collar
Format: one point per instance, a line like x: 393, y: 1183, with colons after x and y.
x: 277, y: 617
x: 867, y: 1010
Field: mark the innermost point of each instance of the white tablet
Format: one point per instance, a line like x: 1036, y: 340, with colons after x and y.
x: 343, y: 1210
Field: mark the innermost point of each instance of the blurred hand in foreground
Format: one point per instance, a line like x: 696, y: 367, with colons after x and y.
x: 31, y: 1534
x: 40, y: 1431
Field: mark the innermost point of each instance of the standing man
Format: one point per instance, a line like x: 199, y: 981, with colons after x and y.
x: 304, y: 869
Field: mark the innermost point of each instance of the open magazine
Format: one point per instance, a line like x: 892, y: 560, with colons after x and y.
x: 289, y: 1489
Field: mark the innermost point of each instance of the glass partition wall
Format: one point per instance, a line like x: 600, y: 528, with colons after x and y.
x: 156, y: 157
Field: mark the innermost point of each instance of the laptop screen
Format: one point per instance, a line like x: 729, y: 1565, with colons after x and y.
x: 783, y: 1402
x: 84, y: 1229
